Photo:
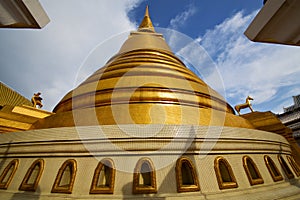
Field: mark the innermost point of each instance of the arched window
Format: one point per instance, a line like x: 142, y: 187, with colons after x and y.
x: 252, y: 171
x: 65, y: 178
x: 294, y: 165
x: 144, y: 178
x: 186, y: 176
x: 33, y: 175
x: 8, y: 173
x: 276, y: 175
x: 104, y: 178
x: 285, y: 167
x: 224, y: 173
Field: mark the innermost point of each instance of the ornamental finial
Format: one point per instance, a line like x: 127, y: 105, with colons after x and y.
x: 146, y: 25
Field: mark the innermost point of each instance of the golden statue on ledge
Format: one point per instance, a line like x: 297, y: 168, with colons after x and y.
x: 36, y: 100
x: 244, y: 105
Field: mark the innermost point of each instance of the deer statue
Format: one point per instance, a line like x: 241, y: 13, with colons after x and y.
x: 244, y: 105
x: 36, y: 100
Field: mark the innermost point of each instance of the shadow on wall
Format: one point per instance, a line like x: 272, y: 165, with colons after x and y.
x: 127, y: 190
x: 27, y: 195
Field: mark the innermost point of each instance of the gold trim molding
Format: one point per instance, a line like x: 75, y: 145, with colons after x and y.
x: 181, y: 187
x: 252, y: 180
x: 276, y: 175
x: 137, y: 188
x: 12, y: 165
x: 57, y: 188
x: 294, y: 165
x: 25, y: 186
x: 108, y: 188
x: 285, y: 167
x: 223, y: 184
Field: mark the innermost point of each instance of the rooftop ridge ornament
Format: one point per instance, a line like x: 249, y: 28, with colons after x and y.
x: 36, y: 100
x: 146, y: 25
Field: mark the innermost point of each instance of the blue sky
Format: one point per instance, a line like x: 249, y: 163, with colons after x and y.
x: 83, y: 35
x: 204, y: 14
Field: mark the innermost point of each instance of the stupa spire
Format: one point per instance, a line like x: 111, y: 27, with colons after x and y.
x: 146, y: 24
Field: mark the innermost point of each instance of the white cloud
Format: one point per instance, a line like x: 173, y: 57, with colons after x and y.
x: 48, y: 60
x: 175, y: 39
x: 181, y: 18
x: 265, y: 71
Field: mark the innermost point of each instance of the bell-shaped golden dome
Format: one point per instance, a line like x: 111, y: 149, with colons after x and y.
x: 145, y: 83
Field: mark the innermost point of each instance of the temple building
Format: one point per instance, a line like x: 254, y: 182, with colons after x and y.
x: 291, y: 118
x: 145, y: 126
x: 22, y: 14
x: 276, y: 22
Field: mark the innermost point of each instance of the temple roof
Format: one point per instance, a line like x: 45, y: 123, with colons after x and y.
x: 10, y: 97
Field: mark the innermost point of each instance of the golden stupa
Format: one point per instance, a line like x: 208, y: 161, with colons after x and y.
x: 145, y: 126
x: 144, y: 75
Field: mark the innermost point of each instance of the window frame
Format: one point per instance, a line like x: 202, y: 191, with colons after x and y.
x: 285, y: 167
x: 275, y: 178
x: 138, y: 189
x: 178, y: 170
x: 252, y: 181
x: 294, y: 165
x: 62, y: 189
x: 106, y: 162
x: 32, y: 187
x: 14, y: 163
x: 221, y: 183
